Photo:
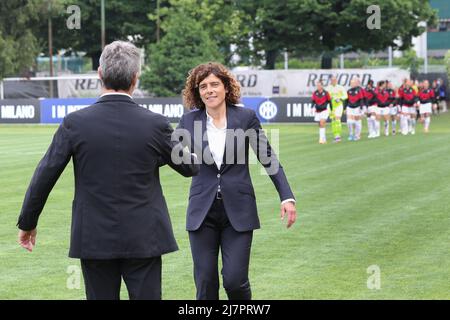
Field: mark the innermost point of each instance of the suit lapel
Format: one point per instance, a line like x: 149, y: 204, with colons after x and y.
x: 205, y: 143
x: 233, y: 123
x: 204, y: 138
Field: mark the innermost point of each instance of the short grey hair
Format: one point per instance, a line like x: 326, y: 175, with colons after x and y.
x: 120, y: 62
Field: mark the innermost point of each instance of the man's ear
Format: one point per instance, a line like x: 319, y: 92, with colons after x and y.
x: 135, y: 80
x: 99, y: 71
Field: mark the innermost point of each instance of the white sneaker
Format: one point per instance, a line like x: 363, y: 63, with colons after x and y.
x: 413, y: 132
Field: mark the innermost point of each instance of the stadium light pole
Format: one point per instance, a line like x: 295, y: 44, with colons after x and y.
x: 421, y: 45
x: 390, y: 56
x: 103, y: 23
x: 50, y: 44
x: 425, y: 58
x: 286, y: 60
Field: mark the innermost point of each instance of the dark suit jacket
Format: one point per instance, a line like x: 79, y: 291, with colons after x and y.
x: 119, y: 210
x: 233, y: 176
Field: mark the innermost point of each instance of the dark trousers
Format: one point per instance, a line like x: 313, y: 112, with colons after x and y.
x: 103, y: 278
x: 214, y: 233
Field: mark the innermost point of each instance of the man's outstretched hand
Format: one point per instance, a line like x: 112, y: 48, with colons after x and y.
x: 27, y: 239
x: 288, y: 209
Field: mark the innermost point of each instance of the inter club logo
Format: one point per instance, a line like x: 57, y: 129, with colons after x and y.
x: 268, y: 110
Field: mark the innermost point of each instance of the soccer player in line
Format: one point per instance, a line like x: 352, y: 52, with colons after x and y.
x: 435, y: 89
x: 408, y: 100
x: 372, y: 110
x: 441, y: 96
x: 320, y: 104
x: 415, y: 85
x: 338, y: 95
x: 426, y: 98
x: 382, y: 97
x: 392, y: 102
x: 414, y: 109
x: 363, y: 106
x: 355, y: 100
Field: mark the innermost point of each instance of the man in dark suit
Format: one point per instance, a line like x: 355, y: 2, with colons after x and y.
x: 120, y: 222
x: 222, y: 211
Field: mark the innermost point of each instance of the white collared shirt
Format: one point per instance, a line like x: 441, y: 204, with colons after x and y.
x: 216, y: 139
x: 114, y: 93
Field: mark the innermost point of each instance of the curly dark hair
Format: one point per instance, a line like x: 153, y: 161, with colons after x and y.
x: 191, y: 94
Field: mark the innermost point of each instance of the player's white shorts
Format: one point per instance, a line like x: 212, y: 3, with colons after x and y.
x: 338, y: 111
x: 322, y: 115
x: 393, y: 110
x: 374, y: 109
x: 355, y: 112
x: 425, y: 108
x: 408, y: 110
x: 364, y: 109
x: 385, y: 111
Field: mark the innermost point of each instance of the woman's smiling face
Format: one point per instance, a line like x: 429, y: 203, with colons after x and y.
x: 212, y: 91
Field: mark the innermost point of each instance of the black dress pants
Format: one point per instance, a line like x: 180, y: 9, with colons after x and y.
x: 214, y: 233
x: 103, y: 278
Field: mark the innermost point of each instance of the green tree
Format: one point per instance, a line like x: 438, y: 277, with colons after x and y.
x: 347, y: 25
x: 222, y: 19
x: 124, y: 20
x: 410, y: 61
x: 331, y: 27
x: 183, y: 46
x: 7, y: 63
x: 447, y: 62
x: 18, y: 46
x: 275, y: 26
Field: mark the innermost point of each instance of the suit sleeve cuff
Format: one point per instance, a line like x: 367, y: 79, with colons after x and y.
x: 288, y: 200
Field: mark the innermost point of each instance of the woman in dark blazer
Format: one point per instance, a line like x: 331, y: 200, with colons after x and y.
x: 222, y: 208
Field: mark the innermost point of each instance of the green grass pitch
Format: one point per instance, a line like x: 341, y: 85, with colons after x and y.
x: 383, y: 203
